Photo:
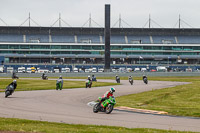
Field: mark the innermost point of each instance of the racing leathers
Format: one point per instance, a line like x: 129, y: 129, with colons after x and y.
x: 105, y: 96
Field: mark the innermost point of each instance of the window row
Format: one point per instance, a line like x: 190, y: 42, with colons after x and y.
x: 98, y: 53
x: 101, y: 47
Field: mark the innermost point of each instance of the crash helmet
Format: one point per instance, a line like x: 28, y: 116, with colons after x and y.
x: 15, y: 81
x: 116, y: 76
x: 130, y: 76
x: 88, y: 76
x: 60, y: 77
x: 112, y: 90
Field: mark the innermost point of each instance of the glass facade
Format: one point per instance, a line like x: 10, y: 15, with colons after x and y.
x: 98, y: 49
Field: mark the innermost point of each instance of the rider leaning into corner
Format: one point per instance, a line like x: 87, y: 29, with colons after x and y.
x: 107, y: 95
x: 14, y: 84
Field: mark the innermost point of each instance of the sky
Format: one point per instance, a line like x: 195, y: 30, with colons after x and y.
x: 134, y: 13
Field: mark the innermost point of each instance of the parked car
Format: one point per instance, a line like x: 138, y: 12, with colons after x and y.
x: 21, y: 70
x: 161, y: 69
x: 143, y: 69
x: 129, y: 69
x: 1, y: 69
x: 56, y: 70
x: 137, y: 69
x: 65, y: 70
x: 43, y: 71
x: 100, y: 70
x: 80, y: 70
x: 94, y: 70
x: 28, y: 69
x: 68, y: 70
x: 75, y: 70
x: 10, y: 69
x: 87, y: 70
x: 33, y: 69
x: 153, y: 70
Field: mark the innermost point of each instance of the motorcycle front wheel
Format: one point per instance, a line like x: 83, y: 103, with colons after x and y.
x: 109, y: 108
x: 7, y: 93
x: 95, y: 108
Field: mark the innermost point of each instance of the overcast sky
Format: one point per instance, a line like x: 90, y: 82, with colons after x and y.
x: 76, y: 12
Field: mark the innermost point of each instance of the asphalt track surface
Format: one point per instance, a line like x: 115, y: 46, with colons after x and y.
x: 70, y: 106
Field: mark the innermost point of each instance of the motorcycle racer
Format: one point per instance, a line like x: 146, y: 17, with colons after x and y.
x: 107, y: 95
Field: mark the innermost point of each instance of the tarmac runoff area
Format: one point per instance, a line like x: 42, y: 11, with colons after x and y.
x: 70, y: 106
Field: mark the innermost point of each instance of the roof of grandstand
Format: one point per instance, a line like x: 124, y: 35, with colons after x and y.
x: 99, y: 31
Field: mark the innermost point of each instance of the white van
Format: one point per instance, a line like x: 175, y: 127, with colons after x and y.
x: 63, y: 70
x: 75, y: 70
x: 143, y: 69
x: 129, y: 69
x: 87, y: 70
x: 101, y: 70
x: 43, y: 71
x: 56, y: 70
x: 137, y: 69
x: 94, y: 70
x: 10, y: 69
x: 161, y: 69
x: 21, y: 70
x: 1, y: 69
x: 28, y: 70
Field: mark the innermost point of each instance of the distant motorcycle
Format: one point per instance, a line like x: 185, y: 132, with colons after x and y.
x: 131, y: 81
x: 88, y: 84
x: 107, y: 107
x: 9, y: 90
x: 59, y: 84
x: 145, y: 80
x: 15, y: 77
x: 94, y: 79
x: 44, y: 77
x: 118, y: 79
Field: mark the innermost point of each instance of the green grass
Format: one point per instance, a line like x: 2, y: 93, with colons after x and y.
x: 33, y: 84
x: 183, y: 100
x: 11, y: 124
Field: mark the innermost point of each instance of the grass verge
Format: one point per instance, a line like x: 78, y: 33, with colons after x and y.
x: 31, y: 84
x: 12, y: 124
x: 183, y: 100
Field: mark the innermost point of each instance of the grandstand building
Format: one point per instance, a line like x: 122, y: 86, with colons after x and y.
x: 71, y: 45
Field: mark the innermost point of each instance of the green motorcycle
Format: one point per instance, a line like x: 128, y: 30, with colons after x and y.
x: 58, y: 85
x: 106, y: 106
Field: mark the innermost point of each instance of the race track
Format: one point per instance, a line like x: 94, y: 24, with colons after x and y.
x: 70, y: 106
